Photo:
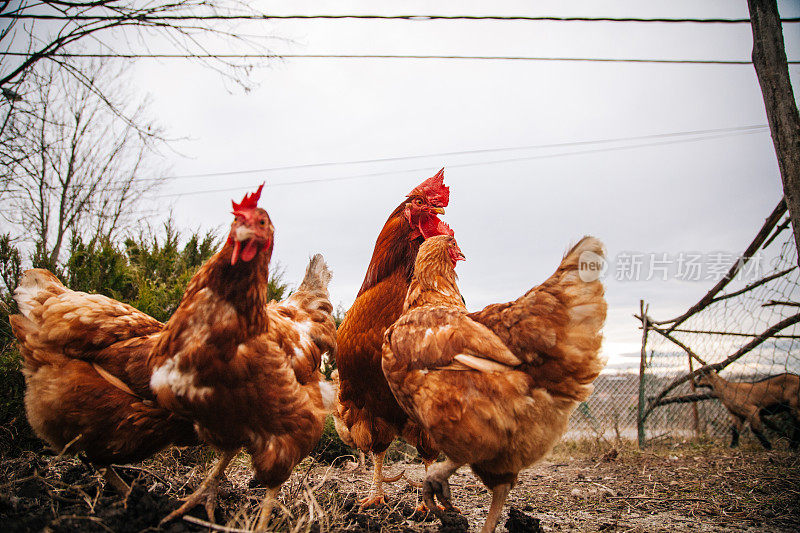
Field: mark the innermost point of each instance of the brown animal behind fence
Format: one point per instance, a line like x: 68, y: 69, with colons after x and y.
x: 749, y: 401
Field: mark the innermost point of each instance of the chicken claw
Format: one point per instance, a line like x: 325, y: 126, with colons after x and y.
x: 207, y: 491
x: 371, y: 500
x: 423, y: 509
x: 113, y: 479
x: 436, y: 484
x: 441, y: 490
x: 376, y: 496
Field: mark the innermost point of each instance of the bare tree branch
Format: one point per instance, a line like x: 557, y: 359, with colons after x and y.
x: 77, y: 174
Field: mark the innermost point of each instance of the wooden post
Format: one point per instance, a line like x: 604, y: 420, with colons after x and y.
x: 695, y: 411
x: 642, y: 370
x: 769, y: 59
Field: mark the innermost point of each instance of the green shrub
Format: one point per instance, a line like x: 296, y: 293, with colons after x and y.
x: 330, y: 446
x: 15, y: 433
x: 148, y: 271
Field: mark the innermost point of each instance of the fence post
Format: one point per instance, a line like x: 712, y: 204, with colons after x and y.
x: 695, y: 410
x: 769, y: 60
x: 642, y: 369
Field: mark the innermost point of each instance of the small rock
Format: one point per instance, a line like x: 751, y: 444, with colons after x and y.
x: 606, y: 492
x: 519, y: 522
x: 610, y: 455
x: 453, y: 523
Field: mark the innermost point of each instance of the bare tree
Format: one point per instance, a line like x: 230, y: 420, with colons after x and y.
x: 36, y: 31
x: 78, y: 167
x: 44, y: 29
x: 72, y: 147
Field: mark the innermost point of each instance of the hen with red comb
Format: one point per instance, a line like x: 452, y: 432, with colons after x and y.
x: 366, y: 406
x: 251, y: 231
x: 244, y: 368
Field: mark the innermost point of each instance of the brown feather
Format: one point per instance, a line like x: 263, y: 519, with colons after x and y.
x: 64, y: 338
x: 245, y: 369
x: 495, y: 389
x: 367, y: 407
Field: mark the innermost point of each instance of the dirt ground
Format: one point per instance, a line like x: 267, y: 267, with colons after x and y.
x: 588, y: 487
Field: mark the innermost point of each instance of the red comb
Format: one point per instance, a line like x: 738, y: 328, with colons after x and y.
x: 445, y: 229
x: 250, y: 201
x: 434, y: 190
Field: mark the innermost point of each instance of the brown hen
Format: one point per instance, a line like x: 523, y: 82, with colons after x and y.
x: 494, y: 389
x: 86, y: 375
x: 244, y: 368
x: 367, y: 409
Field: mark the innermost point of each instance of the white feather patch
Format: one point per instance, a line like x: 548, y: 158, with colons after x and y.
x: 181, y: 384
x: 304, y: 330
x: 26, y: 292
x: 328, y: 391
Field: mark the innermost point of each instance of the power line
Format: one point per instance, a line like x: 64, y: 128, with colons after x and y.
x: 462, y: 165
x: 464, y: 152
x: 397, y: 56
x: 135, y: 17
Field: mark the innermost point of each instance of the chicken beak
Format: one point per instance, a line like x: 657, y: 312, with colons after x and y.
x: 438, y: 210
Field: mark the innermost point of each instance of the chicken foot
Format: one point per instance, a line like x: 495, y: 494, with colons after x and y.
x: 436, y: 484
x: 376, y: 495
x: 109, y: 475
x: 113, y: 479
x: 499, y: 495
x: 358, y: 465
x: 265, y: 512
x: 206, y: 491
x: 422, y: 508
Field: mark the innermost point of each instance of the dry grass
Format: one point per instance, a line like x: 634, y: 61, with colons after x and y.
x: 582, y: 486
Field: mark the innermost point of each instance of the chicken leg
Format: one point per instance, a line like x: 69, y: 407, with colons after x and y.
x: 358, y: 465
x: 113, y: 479
x: 206, y: 491
x: 265, y: 512
x: 376, y: 495
x: 436, y: 484
x: 499, y: 495
x: 422, y: 508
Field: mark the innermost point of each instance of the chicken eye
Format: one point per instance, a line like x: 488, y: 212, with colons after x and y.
x: 417, y: 201
x: 262, y: 222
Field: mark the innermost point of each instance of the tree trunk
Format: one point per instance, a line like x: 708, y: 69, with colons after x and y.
x: 769, y: 59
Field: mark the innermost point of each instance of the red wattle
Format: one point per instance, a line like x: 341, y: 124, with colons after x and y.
x: 250, y: 250
x: 235, y: 255
x: 430, y: 226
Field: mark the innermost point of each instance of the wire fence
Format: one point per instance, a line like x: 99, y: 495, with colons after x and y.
x: 611, y: 410
x: 745, y: 328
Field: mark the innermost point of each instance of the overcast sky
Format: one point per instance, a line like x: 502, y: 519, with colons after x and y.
x: 513, y: 219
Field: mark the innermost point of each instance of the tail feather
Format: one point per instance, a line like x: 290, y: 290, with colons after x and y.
x: 318, y: 275
x: 35, y: 286
x: 56, y: 322
x: 329, y: 390
x: 574, y: 362
x: 579, y: 277
x: 556, y: 326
